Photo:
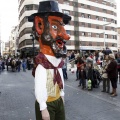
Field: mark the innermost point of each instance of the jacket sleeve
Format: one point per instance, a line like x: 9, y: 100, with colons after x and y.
x: 40, y: 86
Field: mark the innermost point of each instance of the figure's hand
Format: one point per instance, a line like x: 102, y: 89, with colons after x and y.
x: 45, y: 114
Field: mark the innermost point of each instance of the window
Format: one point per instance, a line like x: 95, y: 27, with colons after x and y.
x: 97, y: 27
x: 28, y: 7
x: 83, y: 33
x: 98, y: 43
x: 90, y: 43
x: 97, y: 35
x: 35, y: 7
x: 104, y: 10
x: 112, y: 28
x: 97, y: 9
x: 89, y: 34
x: 106, y: 28
x: 97, y: 18
x: 104, y: 19
x: 106, y: 44
x: 114, y: 45
x: 112, y: 12
x: 116, y: 37
x: 82, y: 15
x: 112, y: 37
x: 75, y: 4
x: 68, y: 32
x: 88, y: 6
x: 104, y: 2
x: 83, y: 43
x: 76, y: 14
x: 82, y: 5
x: 89, y: 16
x: 89, y: 25
x: 66, y: 12
x: 66, y: 2
x: 106, y: 36
x: 83, y: 24
x: 112, y: 20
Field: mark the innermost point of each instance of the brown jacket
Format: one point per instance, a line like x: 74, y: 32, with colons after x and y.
x: 112, y: 70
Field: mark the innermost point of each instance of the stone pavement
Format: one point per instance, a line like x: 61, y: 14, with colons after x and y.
x: 17, y: 99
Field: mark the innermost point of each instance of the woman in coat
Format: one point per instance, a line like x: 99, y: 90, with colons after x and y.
x: 112, y: 74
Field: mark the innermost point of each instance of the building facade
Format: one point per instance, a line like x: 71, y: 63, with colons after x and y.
x: 26, y: 8
x: 93, y: 24
x: 118, y: 29
x: 13, y: 41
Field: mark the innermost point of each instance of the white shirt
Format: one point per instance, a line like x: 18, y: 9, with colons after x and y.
x: 41, y: 79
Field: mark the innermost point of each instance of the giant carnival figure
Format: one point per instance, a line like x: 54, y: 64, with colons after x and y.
x: 49, y: 31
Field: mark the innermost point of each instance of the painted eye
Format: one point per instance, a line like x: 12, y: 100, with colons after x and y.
x: 54, y: 27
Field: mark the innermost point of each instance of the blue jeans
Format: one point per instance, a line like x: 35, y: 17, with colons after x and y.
x: 65, y: 73
x: 18, y: 68
x: 77, y: 74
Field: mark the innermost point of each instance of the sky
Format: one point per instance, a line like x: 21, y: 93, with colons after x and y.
x: 9, y: 16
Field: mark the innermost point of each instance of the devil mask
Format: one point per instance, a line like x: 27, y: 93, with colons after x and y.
x: 49, y: 28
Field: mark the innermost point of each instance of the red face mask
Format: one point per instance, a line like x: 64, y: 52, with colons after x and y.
x: 53, y: 34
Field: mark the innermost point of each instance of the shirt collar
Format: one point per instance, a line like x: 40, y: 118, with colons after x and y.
x: 55, y: 61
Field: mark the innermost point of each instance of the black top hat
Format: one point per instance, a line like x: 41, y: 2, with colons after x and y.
x: 49, y: 7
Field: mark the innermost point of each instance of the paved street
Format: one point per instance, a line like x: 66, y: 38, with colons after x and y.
x: 17, y: 99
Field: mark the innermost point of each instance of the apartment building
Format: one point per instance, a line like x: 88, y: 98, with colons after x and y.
x: 118, y: 29
x: 93, y: 24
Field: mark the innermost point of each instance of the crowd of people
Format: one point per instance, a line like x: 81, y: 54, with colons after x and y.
x: 95, y: 67
x: 16, y: 64
x: 92, y: 68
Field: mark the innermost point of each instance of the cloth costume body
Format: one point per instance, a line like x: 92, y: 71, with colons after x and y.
x: 46, y: 96
x: 48, y: 29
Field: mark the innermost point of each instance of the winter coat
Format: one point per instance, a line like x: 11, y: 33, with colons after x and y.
x: 112, y: 70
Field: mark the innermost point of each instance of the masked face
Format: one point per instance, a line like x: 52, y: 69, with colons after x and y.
x: 54, y: 35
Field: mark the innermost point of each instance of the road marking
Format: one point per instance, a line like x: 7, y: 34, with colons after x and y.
x: 116, y: 103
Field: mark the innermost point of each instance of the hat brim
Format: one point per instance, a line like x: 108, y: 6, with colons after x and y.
x: 66, y: 18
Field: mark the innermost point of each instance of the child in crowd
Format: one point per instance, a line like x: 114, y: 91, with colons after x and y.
x: 82, y: 76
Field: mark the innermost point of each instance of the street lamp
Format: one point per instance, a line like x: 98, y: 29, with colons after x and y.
x: 32, y: 38
x: 104, y: 33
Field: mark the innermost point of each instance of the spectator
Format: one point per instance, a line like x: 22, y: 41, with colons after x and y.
x: 82, y: 76
x: 106, y: 81
x: 79, y: 62
x: 118, y: 65
x: 28, y: 63
x: 24, y: 65
x: 112, y: 74
x: 18, y: 65
x: 64, y: 69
